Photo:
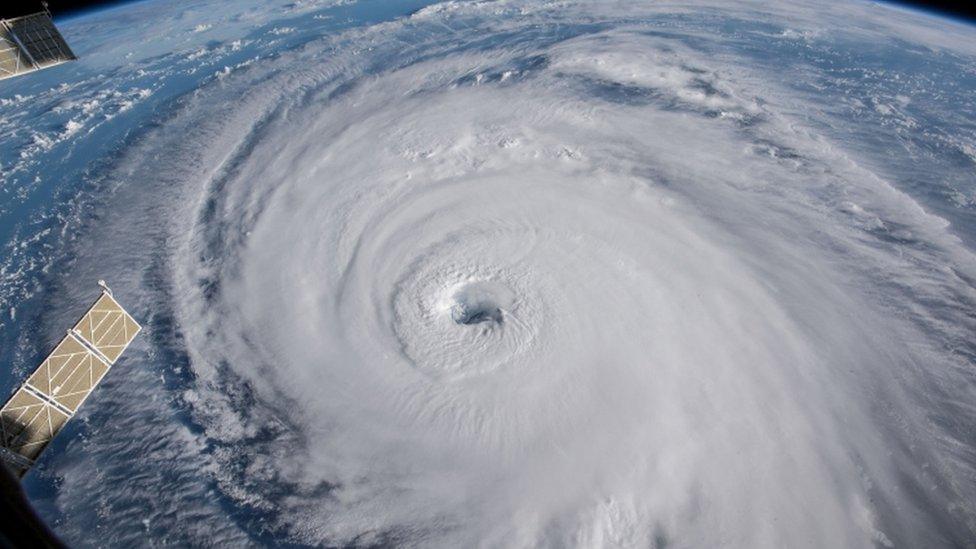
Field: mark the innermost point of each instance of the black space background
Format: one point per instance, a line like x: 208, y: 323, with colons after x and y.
x: 64, y: 8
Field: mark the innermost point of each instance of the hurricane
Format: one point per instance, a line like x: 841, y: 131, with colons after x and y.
x: 513, y: 274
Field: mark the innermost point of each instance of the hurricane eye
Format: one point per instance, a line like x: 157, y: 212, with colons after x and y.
x: 482, y: 302
x: 476, y: 313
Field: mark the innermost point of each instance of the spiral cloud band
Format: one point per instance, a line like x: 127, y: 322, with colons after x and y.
x: 521, y: 274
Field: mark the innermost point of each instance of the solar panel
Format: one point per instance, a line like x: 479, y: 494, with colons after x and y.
x: 30, y: 43
x: 29, y: 422
x: 54, y: 392
x: 12, y: 59
x: 68, y: 374
x: 107, y: 327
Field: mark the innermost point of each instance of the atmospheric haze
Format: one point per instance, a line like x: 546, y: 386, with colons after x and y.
x: 510, y: 274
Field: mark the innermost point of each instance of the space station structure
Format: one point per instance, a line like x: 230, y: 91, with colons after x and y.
x: 30, y: 43
x: 52, y: 395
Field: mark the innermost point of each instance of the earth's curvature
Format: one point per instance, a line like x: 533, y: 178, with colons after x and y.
x: 505, y: 274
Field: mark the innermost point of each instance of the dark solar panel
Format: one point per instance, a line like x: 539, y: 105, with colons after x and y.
x: 41, y: 39
x: 30, y: 43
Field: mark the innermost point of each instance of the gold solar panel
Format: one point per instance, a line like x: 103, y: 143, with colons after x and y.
x: 59, y: 386
x: 68, y: 374
x: 12, y: 59
x: 107, y: 327
x: 29, y: 423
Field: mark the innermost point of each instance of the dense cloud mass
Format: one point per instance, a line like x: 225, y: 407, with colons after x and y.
x: 515, y: 274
